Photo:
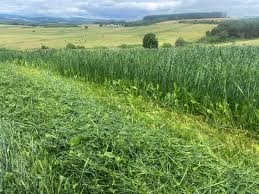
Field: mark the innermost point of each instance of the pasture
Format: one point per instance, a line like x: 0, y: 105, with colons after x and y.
x: 25, y: 37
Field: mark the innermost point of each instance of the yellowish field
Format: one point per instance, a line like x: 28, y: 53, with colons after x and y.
x: 24, y: 37
x: 252, y: 42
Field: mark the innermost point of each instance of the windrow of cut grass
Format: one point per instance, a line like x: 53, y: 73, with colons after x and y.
x: 60, y: 135
x: 220, y: 83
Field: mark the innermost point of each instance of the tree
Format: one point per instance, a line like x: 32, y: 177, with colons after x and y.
x: 167, y: 45
x: 43, y: 47
x: 230, y: 29
x: 150, y: 41
x: 180, y: 42
x: 80, y: 47
x: 70, y: 46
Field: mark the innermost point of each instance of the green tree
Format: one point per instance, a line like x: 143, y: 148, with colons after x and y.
x: 180, y: 42
x: 150, y: 41
x: 70, y: 46
x: 167, y: 45
x: 43, y: 47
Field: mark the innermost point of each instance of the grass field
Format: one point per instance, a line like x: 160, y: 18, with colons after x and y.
x: 62, y: 135
x: 252, y: 42
x: 23, y: 37
x: 178, y: 120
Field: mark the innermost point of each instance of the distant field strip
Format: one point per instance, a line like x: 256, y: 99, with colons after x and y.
x: 21, y: 37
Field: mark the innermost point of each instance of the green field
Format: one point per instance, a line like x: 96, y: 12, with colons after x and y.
x: 24, y: 37
x: 63, y: 135
x: 175, y: 120
x: 130, y: 121
x: 217, y: 82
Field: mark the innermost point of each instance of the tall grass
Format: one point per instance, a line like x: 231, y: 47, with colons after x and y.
x: 220, y: 83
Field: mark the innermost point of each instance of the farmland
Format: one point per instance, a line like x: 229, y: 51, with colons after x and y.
x: 63, y: 135
x: 134, y: 120
x: 221, y: 83
x: 24, y: 37
x: 117, y: 121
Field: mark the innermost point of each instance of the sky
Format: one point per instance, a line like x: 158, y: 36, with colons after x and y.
x: 125, y: 9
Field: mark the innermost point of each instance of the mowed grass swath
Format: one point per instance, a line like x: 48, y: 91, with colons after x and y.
x: 219, y: 83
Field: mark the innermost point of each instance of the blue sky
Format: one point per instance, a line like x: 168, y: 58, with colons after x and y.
x: 126, y: 9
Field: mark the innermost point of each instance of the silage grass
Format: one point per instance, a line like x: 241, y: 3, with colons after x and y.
x: 221, y: 84
x: 57, y: 139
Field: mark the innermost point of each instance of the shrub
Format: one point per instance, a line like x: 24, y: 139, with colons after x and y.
x: 180, y: 42
x: 150, y: 41
x: 44, y: 47
x: 86, y: 27
x: 167, y: 45
x: 80, y: 47
x: 100, y: 47
x: 70, y: 46
x: 127, y: 46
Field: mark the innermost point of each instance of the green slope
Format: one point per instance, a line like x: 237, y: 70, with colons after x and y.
x: 60, y: 135
x: 24, y: 37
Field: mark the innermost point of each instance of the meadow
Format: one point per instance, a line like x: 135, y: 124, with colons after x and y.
x: 25, y: 37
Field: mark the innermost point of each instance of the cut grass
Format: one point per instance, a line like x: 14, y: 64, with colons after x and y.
x: 61, y: 135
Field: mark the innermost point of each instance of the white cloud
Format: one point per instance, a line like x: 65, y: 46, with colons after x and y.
x: 125, y: 8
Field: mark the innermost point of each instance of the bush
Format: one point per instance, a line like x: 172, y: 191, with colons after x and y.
x: 167, y: 45
x: 180, y: 42
x: 100, y: 47
x: 80, y: 47
x: 44, y: 47
x: 150, y: 41
x: 128, y: 46
x: 70, y: 46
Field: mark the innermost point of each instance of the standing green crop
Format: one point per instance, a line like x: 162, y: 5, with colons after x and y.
x: 220, y: 83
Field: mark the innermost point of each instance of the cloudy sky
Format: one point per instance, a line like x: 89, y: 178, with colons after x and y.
x: 125, y: 9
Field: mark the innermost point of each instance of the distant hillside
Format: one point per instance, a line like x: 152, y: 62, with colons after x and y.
x: 74, y: 21
x: 184, y: 16
x: 152, y: 19
x: 43, y: 20
x: 234, y: 29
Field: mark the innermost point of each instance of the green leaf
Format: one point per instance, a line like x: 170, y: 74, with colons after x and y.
x: 109, y: 155
x: 75, y: 141
x: 209, y: 111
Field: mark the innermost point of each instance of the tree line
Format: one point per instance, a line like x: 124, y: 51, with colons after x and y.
x: 152, y: 19
x: 233, y: 29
